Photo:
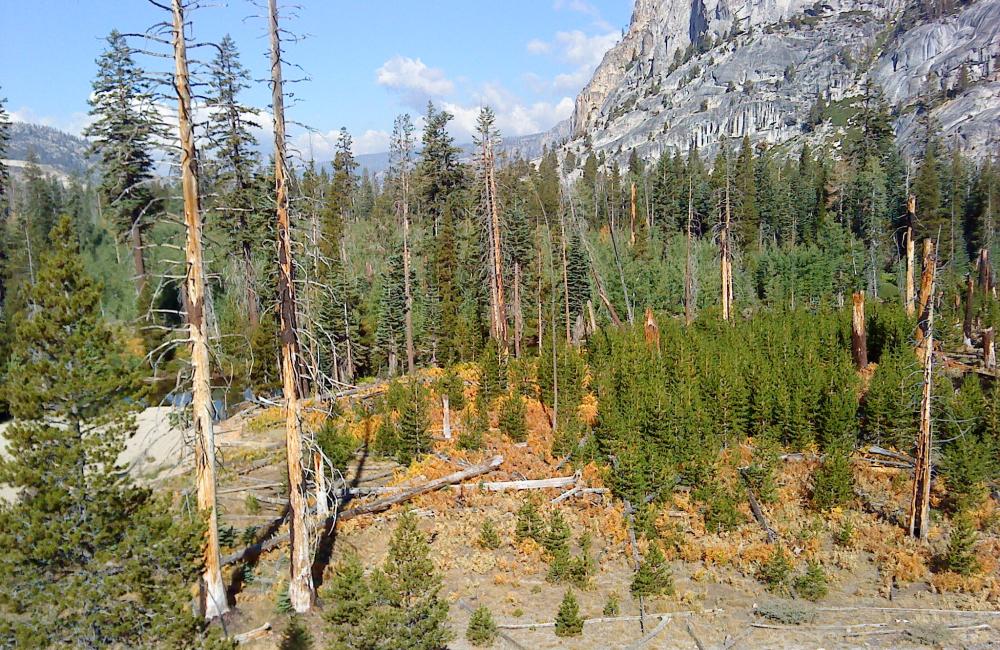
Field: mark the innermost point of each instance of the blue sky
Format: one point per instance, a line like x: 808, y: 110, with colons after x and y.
x: 366, y: 60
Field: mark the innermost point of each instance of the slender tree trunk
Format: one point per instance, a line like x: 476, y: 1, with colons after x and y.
x: 919, y: 512
x: 727, y: 268
x: 926, y: 299
x: 407, y: 289
x: 989, y: 350
x: 213, y: 591
x: 688, y: 279
x: 859, y: 339
x: 135, y: 234
x: 518, y: 314
x: 445, y: 416
x: 300, y: 586
x: 253, y: 309
x: 908, y: 295
x: 322, y: 503
x: 970, y: 295
x: 492, y: 208
x: 985, y: 271
x: 632, y: 218
x: 565, y: 279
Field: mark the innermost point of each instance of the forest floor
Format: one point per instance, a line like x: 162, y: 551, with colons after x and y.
x: 884, y: 588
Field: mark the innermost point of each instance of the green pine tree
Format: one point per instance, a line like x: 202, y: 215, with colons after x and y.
x: 413, y: 435
x: 512, y: 416
x: 482, y: 631
x: 653, y: 577
x: 81, y: 533
x: 529, y: 522
x: 961, y: 556
x: 296, y: 636
x: 568, y: 620
x: 812, y: 585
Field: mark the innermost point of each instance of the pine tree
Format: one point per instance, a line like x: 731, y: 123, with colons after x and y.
x: 242, y: 217
x: 350, y: 600
x: 927, y: 188
x: 529, y: 522
x: 511, y: 420
x: 81, y: 533
x: 577, y: 276
x: 812, y: 584
x: 568, y: 620
x: 391, y: 309
x: 122, y: 133
x: 653, y: 577
x: 414, y: 437
x: 482, y: 631
x: 961, y: 556
x: 296, y: 636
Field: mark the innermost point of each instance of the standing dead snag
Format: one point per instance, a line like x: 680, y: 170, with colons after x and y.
x: 631, y: 222
x: 911, y: 209
x: 926, y: 290
x: 989, y: 350
x: 652, y: 331
x: 970, y: 294
x: 300, y: 586
x: 986, y: 280
x: 859, y: 339
x: 919, y: 512
x: 726, y: 260
x: 212, y: 592
x: 491, y: 210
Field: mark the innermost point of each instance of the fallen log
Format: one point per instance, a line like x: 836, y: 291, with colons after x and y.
x: 652, y: 634
x: 253, y: 635
x: 373, y: 507
x: 489, y: 486
x: 881, y: 451
x: 758, y: 512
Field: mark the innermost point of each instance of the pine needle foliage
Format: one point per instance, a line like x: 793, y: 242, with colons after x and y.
x: 568, y: 620
x: 482, y: 630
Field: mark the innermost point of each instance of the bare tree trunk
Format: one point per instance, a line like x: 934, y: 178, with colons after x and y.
x: 688, y: 279
x: 970, y: 295
x: 499, y: 312
x: 213, y: 592
x: 859, y: 339
x: 926, y: 289
x: 632, y: 219
x: 445, y: 416
x: 300, y: 586
x: 985, y: 271
x: 322, y: 503
x: 518, y: 313
x: 137, y: 257
x: 989, y: 350
x: 253, y: 309
x: 407, y: 289
x: 908, y: 297
x: 727, y: 264
x: 919, y: 512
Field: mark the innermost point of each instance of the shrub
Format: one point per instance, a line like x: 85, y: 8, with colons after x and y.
x: 482, y: 631
x: 653, y: 577
x: 568, y: 620
x: 488, y: 536
x: 961, y: 556
x: 529, y: 522
x: 776, y: 571
x: 512, y: 418
x: 845, y: 534
x: 785, y: 613
x: 612, y: 607
x: 337, y: 445
x: 812, y: 584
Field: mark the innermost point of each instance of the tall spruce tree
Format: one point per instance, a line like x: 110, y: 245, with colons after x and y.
x: 86, y: 558
x: 122, y: 133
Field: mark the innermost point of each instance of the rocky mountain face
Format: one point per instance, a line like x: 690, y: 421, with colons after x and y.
x: 55, y: 151
x: 785, y: 72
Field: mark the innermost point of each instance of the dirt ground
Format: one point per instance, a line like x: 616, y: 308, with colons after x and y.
x: 883, y: 593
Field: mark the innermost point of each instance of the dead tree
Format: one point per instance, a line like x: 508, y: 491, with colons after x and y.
x: 926, y: 289
x: 403, y: 148
x: 631, y: 222
x: 652, y: 331
x: 919, y: 512
x: 859, y: 339
x: 970, y: 294
x: 491, y: 210
x: 989, y: 350
x: 300, y: 586
x: 726, y: 259
x: 986, y: 282
x: 911, y: 208
x: 688, y: 273
x: 213, y: 592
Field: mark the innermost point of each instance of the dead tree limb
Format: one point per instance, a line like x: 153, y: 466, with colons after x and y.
x: 758, y: 512
x: 373, y: 507
x: 254, y: 634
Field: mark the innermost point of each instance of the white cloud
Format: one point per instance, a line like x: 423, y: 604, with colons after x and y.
x: 413, y: 79
x: 513, y: 117
x: 74, y: 124
x: 538, y: 46
x: 579, y: 48
x: 585, y: 8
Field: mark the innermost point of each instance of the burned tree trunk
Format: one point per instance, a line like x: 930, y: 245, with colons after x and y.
x: 985, y: 271
x: 727, y: 261
x: 300, y: 586
x: 652, y: 331
x: 213, y: 592
x: 632, y: 217
x: 919, y: 512
x: 989, y: 350
x: 491, y: 206
x: 859, y: 339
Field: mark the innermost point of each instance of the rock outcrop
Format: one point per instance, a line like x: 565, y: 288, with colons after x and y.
x: 697, y: 72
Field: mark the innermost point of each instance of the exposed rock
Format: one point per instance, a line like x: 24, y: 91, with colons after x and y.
x: 696, y: 72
